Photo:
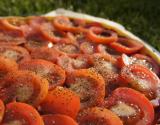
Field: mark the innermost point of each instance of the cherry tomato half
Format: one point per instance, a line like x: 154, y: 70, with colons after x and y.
x: 16, y: 53
x: 141, y: 79
x: 101, y: 35
x: 52, y: 72
x: 61, y: 101
x: 131, y: 106
x: 126, y: 45
x: 23, y: 86
x: 21, y: 114
x: 89, y: 86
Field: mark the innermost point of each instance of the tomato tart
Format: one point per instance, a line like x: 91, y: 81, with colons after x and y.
x: 67, y: 68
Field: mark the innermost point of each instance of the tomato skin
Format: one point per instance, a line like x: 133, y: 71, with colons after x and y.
x: 131, y: 47
x: 97, y: 116
x: 58, y: 119
x: 131, y: 96
x: 2, y: 110
x: 67, y: 103
x: 93, y: 34
x: 141, y: 79
x: 15, y: 53
x: 16, y: 111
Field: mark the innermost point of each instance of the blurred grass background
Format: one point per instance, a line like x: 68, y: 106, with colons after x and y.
x: 142, y: 17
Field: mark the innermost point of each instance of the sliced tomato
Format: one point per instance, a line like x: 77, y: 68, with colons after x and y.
x: 89, y: 86
x: 65, y: 62
x: 67, y: 48
x: 82, y: 61
x: 58, y: 119
x: 49, y: 32
x: 139, y: 59
x: 124, y: 60
x: 5, y: 25
x: 148, y: 62
x: 52, y: 72
x: 87, y: 47
x: 131, y: 106
x: 64, y: 24
x: 126, y: 45
x: 30, y: 45
x: 21, y: 114
x: 23, y: 86
x: 106, y: 50
x: 61, y: 101
x: 42, y: 28
x: 6, y: 66
x: 2, y: 110
x: 106, y: 66
x: 98, y: 116
x: 10, y: 34
x: 46, y: 53
x: 101, y: 35
x: 141, y: 79
x: 15, y: 53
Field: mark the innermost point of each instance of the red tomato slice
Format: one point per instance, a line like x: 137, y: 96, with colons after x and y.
x: 52, y: 72
x: 64, y: 24
x: 101, y: 35
x: 148, y: 62
x: 23, y: 86
x: 65, y: 62
x: 61, y: 101
x: 98, y: 116
x: 124, y: 60
x: 89, y: 86
x: 10, y: 34
x: 50, y: 33
x: 70, y: 49
x: 6, y: 66
x: 58, y: 119
x: 126, y: 45
x: 106, y: 50
x: 15, y: 53
x: 106, y: 66
x: 141, y: 79
x: 30, y: 45
x: 5, y: 25
x: 131, y: 106
x: 139, y: 59
x: 103, y: 63
x: 21, y: 114
x: 42, y: 28
x: 46, y: 53
x: 82, y: 62
x: 2, y: 109
x: 87, y: 47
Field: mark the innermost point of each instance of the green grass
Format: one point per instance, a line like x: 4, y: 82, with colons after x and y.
x: 142, y: 17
